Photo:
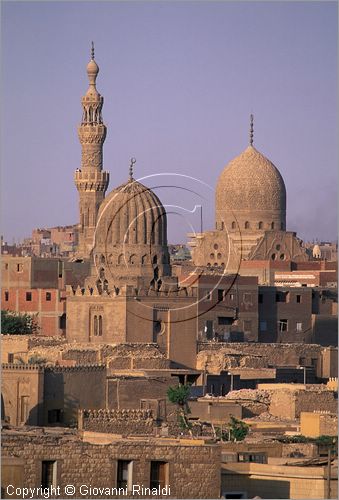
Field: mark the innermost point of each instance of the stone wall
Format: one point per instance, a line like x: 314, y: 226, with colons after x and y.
x: 289, y: 404
x: 124, y: 422
x: 193, y: 467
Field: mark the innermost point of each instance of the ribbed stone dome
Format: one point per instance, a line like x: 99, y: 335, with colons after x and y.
x: 131, y: 231
x: 250, y: 194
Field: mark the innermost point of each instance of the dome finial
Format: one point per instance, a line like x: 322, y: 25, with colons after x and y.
x: 92, y: 51
x: 251, y: 129
x: 133, y: 161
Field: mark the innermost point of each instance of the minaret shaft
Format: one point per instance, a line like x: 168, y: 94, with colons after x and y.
x: 91, y: 180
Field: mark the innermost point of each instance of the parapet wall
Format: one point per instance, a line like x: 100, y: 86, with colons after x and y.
x: 124, y: 422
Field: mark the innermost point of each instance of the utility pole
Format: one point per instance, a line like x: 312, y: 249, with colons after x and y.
x: 328, y: 482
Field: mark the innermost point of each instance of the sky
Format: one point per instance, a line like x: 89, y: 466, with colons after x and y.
x: 179, y: 81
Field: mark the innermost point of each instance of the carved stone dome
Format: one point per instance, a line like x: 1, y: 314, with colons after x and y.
x: 250, y: 194
x: 131, y: 232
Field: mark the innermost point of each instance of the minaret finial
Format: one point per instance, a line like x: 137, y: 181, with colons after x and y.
x: 251, y: 129
x: 133, y: 161
x: 92, y: 51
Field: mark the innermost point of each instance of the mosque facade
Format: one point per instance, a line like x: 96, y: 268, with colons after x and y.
x: 131, y: 293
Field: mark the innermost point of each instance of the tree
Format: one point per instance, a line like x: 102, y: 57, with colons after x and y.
x: 179, y: 395
x: 13, y: 323
x: 238, y: 429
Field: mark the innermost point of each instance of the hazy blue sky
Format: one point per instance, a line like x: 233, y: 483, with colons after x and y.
x: 179, y: 81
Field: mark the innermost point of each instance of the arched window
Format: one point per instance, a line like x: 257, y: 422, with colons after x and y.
x: 260, y: 225
x: 95, y: 326
x: 233, y: 225
x: 100, y: 326
x: 272, y: 225
x: 121, y: 258
x: 222, y: 225
x: 247, y: 225
x: 132, y: 259
x: 144, y: 259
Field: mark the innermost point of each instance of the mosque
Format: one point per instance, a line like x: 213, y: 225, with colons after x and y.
x: 124, y: 235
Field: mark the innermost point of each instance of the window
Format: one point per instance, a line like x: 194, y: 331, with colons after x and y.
x: 232, y: 296
x: 222, y: 225
x: 55, y: 416
x: 208, y: 296
x: 10, y: 357
x: 283, y: 325
x: 272, y: 225
x: 247, y: 325
x: 263, y: 326
x: 280, y: 297
x: 233, y: 225
x: 124, y: 474
x: 208, y: 329
x: 273, y: 256
x: 28, y: 296
x: 48, y: 296
x: 24, y: 409
x: 223, y: 320
x: 62, y: 321
x: 95, y: 324
x: 100, y: 325
x: 260, y: 225
x: 215, y: 246
x: 6, y: 296
x: 220, y: 295
x: 212, y: 255
x: 48, y: 473
x: 6, y: 266
x: 247, y: 225
x: 298, y: 299
x: 299, y: 326
x: 260, y: 298
x: 19, y: 268
x: 258, y: 458
x: 158, y: 474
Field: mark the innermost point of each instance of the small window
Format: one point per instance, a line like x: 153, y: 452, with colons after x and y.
x: 124, y: 474
x: 215, y: 246
x: 247, y: 225
x: 263, y: 326
x: 158, y: 474
x: 208, y: 296
x: 220, y: 295
x: 247, y: 325
x: 232, y: 296
x: 6, y: 296
x: 298, y: 299
x: 48, y: 473
x: 272, y: 225
x: 212, y: 255
x: 219, y: 255
x: 6, y: 266
x: 280, y: 297
x: 100, y: 326
x: 260, y: 298
x: 28, y: 296
x: 10, y: 358
x: 95, y: 324
x: 273, y: 256
x: 55, y: 416
x: 283, y: 325
x: 233, y: 225
x: 19, y: 268
x: 299, y: 326
x: 282, y: 256
x: 260, y: 225
x: 222, y: 225
x: 48, y: 296
x: 224, y: 320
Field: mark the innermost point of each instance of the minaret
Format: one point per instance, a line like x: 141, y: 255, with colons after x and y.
x: 91, y: 180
